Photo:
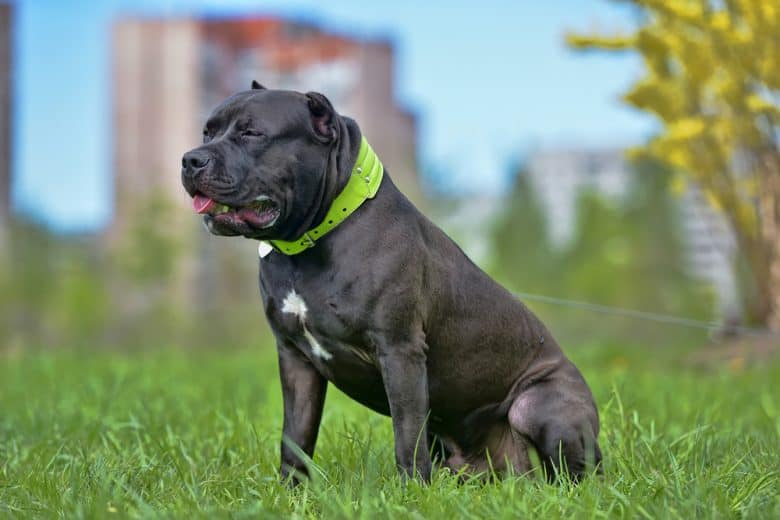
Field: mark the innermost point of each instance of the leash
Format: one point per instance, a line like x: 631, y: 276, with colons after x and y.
x: 669, y: 319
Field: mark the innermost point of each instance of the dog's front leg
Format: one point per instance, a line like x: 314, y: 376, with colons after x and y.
x: 406, y: 384
x: 303, y: 394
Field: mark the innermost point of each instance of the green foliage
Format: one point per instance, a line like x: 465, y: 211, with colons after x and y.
x: 52, y: 291
x: 624, y: 254
x: 135, y: 288
x: 151, y: 248
x: 196, y: 434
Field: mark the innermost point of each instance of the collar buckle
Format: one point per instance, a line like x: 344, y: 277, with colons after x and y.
x: 307, y: 240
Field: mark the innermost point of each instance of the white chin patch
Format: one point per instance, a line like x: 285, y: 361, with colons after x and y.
x: 294, y: 304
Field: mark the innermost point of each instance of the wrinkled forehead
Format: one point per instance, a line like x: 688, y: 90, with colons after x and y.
x: 271, y: 109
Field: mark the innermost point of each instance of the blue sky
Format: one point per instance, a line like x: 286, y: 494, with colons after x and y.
x: 490, y: 81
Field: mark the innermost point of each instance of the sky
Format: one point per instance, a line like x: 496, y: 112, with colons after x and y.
x: 490, y: 81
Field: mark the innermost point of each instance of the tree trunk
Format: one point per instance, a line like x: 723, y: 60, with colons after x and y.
x: 770, y: 231
x: 755, y: 291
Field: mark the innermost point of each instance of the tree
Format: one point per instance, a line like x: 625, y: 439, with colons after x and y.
x: 712, y: 79
x: 625, y: 253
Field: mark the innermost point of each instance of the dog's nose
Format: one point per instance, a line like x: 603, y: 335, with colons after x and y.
x: 194, y: 162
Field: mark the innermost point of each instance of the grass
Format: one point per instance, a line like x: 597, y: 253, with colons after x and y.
x: 173, y: 433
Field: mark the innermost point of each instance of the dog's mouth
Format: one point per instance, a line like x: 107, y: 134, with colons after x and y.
x: 261, y: 213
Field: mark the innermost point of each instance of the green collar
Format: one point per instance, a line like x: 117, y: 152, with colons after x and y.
x: 363, y: 184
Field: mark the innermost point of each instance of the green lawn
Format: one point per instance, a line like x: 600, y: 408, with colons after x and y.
x: 175, y: 433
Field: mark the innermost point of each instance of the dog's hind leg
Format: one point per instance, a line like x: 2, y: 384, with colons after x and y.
x: 559, y: 417
x: 438, y: 448
x: 502, y: 450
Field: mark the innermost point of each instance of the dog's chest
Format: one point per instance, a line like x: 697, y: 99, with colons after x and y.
x: 319, y: 318
x: 298, y: 324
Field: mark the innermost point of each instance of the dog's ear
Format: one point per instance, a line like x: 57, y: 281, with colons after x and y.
x: 257, y: 86
x: 322, y: 116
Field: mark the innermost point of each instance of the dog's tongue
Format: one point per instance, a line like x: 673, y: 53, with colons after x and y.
x: 202, y: 204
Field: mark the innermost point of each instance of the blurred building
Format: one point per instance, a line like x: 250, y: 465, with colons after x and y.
x: 156, y: 111
x: 711, y: 248
x: 559, y: 177
x: 169, y: 74
x: 6, y: 40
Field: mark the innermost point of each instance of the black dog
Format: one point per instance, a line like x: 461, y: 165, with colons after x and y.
x: 364, y: 291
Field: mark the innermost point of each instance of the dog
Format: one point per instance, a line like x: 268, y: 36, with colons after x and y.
x: 363, y: 291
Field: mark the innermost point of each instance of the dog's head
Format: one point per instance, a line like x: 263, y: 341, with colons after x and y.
x: 270, y: 163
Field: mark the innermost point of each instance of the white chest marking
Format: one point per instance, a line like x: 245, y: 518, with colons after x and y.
x: 294, y: 304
